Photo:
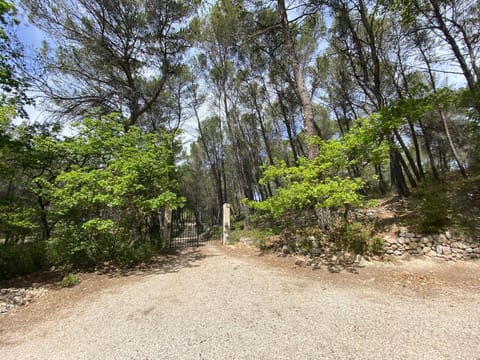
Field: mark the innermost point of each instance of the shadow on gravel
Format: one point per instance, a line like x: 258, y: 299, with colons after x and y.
x: 337, y: 267
x: 171, y: 261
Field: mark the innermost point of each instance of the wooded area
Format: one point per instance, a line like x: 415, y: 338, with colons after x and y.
x: 283, y: 108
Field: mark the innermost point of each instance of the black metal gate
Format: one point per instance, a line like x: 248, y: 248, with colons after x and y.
x: 186, y: 229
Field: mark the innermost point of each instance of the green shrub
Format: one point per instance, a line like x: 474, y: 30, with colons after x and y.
x: 432, y: 207
x: 22, y: 259
x: 375, y: 245
x: 70, y: 280
x: 352, y: 237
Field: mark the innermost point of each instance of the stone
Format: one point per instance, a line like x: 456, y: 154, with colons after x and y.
x: 389, y: 240
x: 285, y: 249
x: 413, y: 244
x: 17, y: 300
x: 300, y: 262
x: 439, y: 249
x: 469, y: 250
x: 424, y: 240
x: 397, y: 253
x: 447, y: 250
x: 426, y: 250
x: 403, y: 231
x: 442, y: 239
x: 448, y: 235
x: 246, y: 240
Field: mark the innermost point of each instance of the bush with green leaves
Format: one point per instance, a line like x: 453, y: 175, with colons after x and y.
x: 324, y: 182
x: 70, y: 280
x: 118, y: 181
x: 22, y: 259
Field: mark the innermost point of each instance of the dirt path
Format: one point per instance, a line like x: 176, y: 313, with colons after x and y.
x: 212, y: 303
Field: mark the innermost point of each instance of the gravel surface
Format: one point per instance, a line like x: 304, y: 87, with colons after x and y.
x: 215, y: 306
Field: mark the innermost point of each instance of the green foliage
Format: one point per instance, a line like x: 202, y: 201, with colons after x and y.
x: 256, y: 235
x: 432, y: 207
x: 70, y: 280
x: 354, y: 237
x: 12, y: 85
x: 122, y: 178
x: 93, y: 197
x: 375, y: 245
x: 22, y: 259
x: 324, y: 181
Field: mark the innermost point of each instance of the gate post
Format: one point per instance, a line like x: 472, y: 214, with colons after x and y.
x: 167, y: 234
x: 226, y: 223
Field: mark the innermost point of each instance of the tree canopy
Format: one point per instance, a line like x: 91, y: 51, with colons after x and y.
x: 278, y: 107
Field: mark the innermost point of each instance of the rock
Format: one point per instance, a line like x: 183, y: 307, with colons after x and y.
x: 300, y: 262
x: 389, y: 240
x: 403, y: 231
x: 18, y: 300
x: 246, y: 240
x: 397, y: 253
x: 413, y: 244
x: 447, y: 251
x: 425, y: 240
x: 285, y: 250
x: 442, y: 239
x: 426, y: 250
x: 439, y: 249
x: 448, y: 235
x: 469, y: 250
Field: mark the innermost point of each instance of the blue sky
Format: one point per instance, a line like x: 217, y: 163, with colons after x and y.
x: 31, y: 38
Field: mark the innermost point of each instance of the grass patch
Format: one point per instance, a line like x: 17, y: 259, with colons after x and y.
x: 70, y: 280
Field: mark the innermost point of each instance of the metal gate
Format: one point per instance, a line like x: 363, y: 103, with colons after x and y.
x: 186, y: 229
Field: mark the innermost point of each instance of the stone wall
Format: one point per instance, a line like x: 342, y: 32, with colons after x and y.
x: 443, y: 246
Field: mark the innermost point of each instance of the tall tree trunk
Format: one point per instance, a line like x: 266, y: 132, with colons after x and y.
x: 417, y: 149
x: 307, y: 109
x: 407, y: 154
x: 396, y: 173
x: 451, y: 144
x: 287, y: 125
x: 428, y: 148
x: 453, y: 149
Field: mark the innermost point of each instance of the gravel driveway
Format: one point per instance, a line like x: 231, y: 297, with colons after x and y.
x: 215, y: 306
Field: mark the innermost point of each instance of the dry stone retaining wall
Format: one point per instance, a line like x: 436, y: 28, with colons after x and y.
x: 443, y: 246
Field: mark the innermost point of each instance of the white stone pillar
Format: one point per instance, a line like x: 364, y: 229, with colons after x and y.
x: 226, y: 223
x: 167, y: 231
